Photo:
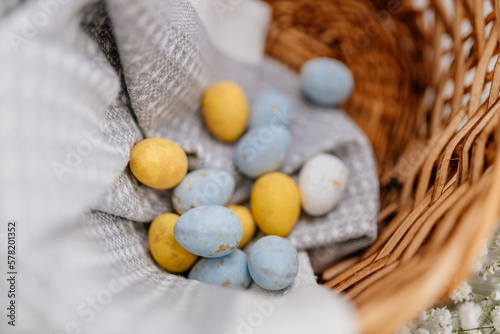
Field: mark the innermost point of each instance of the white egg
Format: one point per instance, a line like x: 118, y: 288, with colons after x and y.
x: 322, y: 182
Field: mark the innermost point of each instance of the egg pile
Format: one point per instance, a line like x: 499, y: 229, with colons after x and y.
x: 206, y: 237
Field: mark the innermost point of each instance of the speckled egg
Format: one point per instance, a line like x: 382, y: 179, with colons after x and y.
x: 262, y: 150
x: 203, y: 187
x: 247, y: 223
x: 225, y: 110
x: 209, y: 231
x: 273, y: 263
x: 326, y: 81
x: 164, y: 248
x: 322, y: 181
x: 158, y: 163
x: 271, y: 107
x: 275, y: 203
x: 229, y: 271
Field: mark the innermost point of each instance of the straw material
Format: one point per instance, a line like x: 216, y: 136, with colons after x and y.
x: 427, y: 88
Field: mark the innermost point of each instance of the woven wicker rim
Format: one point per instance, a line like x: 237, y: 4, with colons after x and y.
x: 427, y: 88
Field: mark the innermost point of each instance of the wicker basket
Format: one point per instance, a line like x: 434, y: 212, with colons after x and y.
x: 427, y: 88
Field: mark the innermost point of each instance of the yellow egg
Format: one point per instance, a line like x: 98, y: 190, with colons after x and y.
x: 225, y: 110
x: 247, y: 223
x: 165, y: 249
x: 158, y: 163
x: 275, y: 203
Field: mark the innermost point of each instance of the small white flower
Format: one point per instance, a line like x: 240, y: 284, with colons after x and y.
x: 469, y: 314
x: 491, y: 269
x: 443, y: 320
x: 422, y: 331
x: 426, y: 315
x: 404, y: 330
x: 495, y: 295
x: 497, y: 241
x: 495, y: 317
x: 437, y: 321
x: 481, y: 257
x: 461, y: 293
x: 478, y: 266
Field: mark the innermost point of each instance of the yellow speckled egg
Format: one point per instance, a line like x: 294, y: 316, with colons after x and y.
x: 165, y: 249
x: 158, y: 163
x: 247, y: 223
x: 225, y: 110
x: 275, y: 203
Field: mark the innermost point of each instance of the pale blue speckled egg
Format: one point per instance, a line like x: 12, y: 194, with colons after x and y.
x: 229, y: 271
x: 262, y: 150
x: 273, y: 263
x: 271, y: 107
x: 204, y: 186
x: 326, y: 81
x: 209, y: 231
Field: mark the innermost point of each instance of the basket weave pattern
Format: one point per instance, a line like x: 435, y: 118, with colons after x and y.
x: 427, y: 91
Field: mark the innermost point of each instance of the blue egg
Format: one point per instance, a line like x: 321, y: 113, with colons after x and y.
x: 209, y: 231
x: 326, y: 81
x: 204, y: 186
x: 229, y: 271
x: 271, y: 108
x: 273, y: 263
x: 262, y: 150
